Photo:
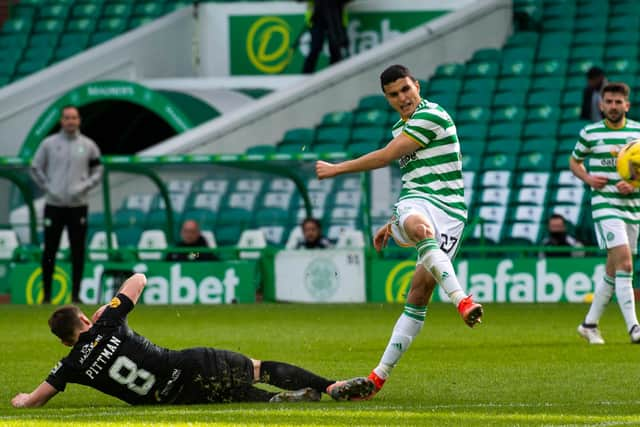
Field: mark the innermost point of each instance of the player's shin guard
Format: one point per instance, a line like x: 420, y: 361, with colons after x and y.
x: 290, y: 377
x: 439, y: 265
x: 626, y: 301
x: 406, y: 329
x: 601, y: 297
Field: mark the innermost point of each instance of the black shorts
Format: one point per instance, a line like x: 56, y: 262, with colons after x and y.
x: 216, y: 376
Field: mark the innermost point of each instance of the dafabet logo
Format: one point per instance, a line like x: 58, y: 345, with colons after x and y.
x: 268, y: 44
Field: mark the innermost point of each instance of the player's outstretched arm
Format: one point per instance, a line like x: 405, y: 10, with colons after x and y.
x: 132, y: 287
x: 399, y: 146
x: 578, y: 169
x: 36, y: 398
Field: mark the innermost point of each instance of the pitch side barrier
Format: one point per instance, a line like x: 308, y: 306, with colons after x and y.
x: 229, y: 194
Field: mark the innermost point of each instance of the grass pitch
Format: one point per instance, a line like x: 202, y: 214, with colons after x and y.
x: 525, y: 365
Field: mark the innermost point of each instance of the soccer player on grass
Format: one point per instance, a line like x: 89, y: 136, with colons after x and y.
x: 430, y: 213
x: 615, y: 207
x: 110, y: 357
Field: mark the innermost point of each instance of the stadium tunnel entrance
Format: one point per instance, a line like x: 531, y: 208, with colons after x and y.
x: 122, y: 117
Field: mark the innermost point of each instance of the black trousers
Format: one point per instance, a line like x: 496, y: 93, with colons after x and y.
x: 318, y: 34
x: 55, y: 220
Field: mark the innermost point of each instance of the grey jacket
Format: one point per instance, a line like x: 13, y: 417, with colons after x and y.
x: 66, y: 168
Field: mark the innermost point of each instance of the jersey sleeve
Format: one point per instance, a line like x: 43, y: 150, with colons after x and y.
x: 59, y: 376
x: 117, y: 311
x: 582, y: 148
x: 424, y: 127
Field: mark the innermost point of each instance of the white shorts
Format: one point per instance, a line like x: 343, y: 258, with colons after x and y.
x: 448, y: 231
x: 614, y: 232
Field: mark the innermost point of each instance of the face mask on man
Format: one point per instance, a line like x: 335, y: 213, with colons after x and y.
x: 559, y: 236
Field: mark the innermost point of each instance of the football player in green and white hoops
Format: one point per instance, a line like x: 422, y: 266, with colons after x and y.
x: 615, y: 207
x: 430, y: 213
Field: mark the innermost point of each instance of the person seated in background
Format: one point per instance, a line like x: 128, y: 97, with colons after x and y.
x: 591, y: 96
x: 312, y: 233
x: 557, y: 235
x: 191, y: 238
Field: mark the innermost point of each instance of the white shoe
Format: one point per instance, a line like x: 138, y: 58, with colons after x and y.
x: 634, y: 333
x: 591, y: 334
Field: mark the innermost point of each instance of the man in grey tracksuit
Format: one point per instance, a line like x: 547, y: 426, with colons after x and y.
x: 66, y: 166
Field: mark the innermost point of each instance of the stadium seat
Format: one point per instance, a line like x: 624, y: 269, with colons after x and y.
x: 374, y: 102
x: 210, y: 238
x: 497, y: 178
x: 525, y: 232
x: 499, y: 161
x: 444, y: 84
x: 295, y: 237
x: 473, y: 115
x: 508, y: 113
x: 251, y: 239
x: 152, y: 239
x: 528, y: 213
x: 370, y: 118
x: 213, y: 185
x: 494, y: 196
x: 98, y: 243
x: 531, y: 196
x: 8, y: 244
x: 489, y: 231
x: 450, y: 70
x: 353, y: 239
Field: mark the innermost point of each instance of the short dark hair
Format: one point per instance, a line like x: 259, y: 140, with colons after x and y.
x: 65, y: 321
x: 312, y: 221
x: 616, y: 87
x: 595, y: 72
x: 557, y: 216
x: 66, y: 107
x: 393, y: 73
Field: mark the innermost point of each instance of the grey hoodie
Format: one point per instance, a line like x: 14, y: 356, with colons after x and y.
x: 66, y: 168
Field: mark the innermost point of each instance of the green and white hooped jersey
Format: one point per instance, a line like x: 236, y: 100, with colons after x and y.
x: 434, y: 171
x: 601, y: 145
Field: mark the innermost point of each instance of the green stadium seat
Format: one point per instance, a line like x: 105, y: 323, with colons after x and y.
x: 473, y: 115
x: 550, y: 68
x: 544, y: 145
x: 575, y: 82
x: 510, y: 146
x: 447, y: 100
x: 170, y: 7
x: 507, y: 99
x: 49, y: 26
x: 83, y: 25
x: 27, y: 67
x: 474, y: 99
x: 17, y: 25
x: 571, y: 129
x: 535, y: 161
x: 621, y: 65
x: 540, y: 130
x: 139, y: 21
x: 546, y: 97
x: 570, y: 112
x: 53, y: 11
x: 471, y: 163
x: 450, y: 70
x: 261, y: 149
x: 595, y: 24
x: 303, y: 136
x: 622, y: 37
x: 472, y: 131
x: 523, y: 38
x: 128, y: 217
x: 587, y: 52
x: 13, y: 41
x: 559, y: 52
x: 481, y: 69
x: 507, y: 130
x: 7, y: 68
x: 328, y: 147
x: 337, y: 118
x: 86, y: 10
x: 629, y: 79
x: 374, y: 134
x: 446, y: 84
x: 571, y: 98
x: 517, y: 84
x: 74, y: 39
x: 558, y: 24
x: 499, y: 161
x: 547, y: 83
x: 515, y: 68
x: 38, y: 53
x: 113, y: 25
x: 44, y: 40
x: 23, y: 11
x: 590, y: 38
x: 526, y: 53
x: 128, y: 237
x: 581, y: 66
x: 117, y: 10
x: 542, y: 113
x: 293, y: 148
x: 102, y: 36
x: 374, y: 102
x: 228, y: 235
x: 566, y: 145
x: 487, y: 54
x: 556, y: 38
x: 508, y: 113
x: 361, y: 147
x: 472, y: 147
x: 150, y: 9
x: 486, y: 85
x: 370, y: 118
x: 64, y: 52
x: 332, y: 135
x: 272, y: 216
x: 559, y: 10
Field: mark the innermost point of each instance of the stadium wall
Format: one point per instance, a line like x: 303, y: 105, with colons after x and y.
x: 160, y: 49
x: 452, y: 38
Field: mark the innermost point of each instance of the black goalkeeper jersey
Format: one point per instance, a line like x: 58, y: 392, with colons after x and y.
x: 112, y: 358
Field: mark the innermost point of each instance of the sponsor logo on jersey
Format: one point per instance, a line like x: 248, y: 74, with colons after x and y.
x: 115, y: 302
x: 56, y: 368
x: 86, y: 349
x: 405, y: 160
